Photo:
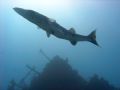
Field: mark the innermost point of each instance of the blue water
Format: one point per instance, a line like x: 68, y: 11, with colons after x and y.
x: 21, y: 40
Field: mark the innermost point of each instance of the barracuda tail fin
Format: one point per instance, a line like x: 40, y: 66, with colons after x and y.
x: 92, y: 37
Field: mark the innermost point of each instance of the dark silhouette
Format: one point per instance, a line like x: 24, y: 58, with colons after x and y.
x: 59, y: 75
x: 97, y: 83
x: 12, y: 85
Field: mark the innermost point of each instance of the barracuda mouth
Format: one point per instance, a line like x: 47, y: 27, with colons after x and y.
x: 20, y: 11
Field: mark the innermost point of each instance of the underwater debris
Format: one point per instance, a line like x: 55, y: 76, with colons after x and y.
x: 59, y: 75
x: 44, y: 54
x: 32, y: 69
x: 96, y: 83
x: 12, y: 85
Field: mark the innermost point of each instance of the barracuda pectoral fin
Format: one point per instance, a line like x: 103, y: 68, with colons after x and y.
x: 48, y: 34
x: 73, y: 42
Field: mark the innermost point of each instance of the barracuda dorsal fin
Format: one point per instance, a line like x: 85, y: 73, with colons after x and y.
x: 48, y: 34
x: 72, y: 30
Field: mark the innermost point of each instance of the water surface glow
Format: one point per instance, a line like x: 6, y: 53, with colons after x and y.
x: 20, y: 40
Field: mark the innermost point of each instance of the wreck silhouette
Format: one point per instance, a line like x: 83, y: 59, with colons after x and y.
x: 59, y: 75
